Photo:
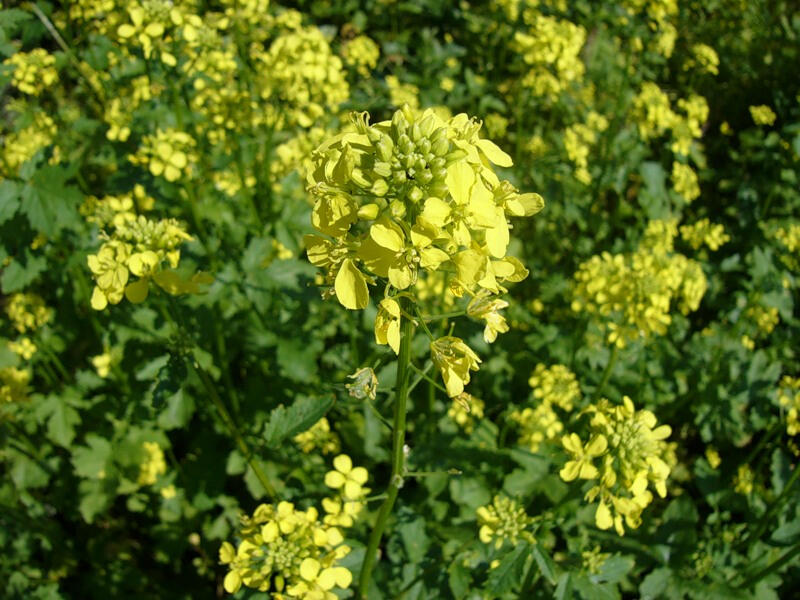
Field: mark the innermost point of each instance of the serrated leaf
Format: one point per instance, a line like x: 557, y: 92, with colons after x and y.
x: 9, y: 199
x: 49, y: 203
x: 508, y: 574
x: 95, y: 498
x: 61, y: 424
x: 17, y: 276
x: 545, y: 563
x: 90, y: 461
x: 286, y: 422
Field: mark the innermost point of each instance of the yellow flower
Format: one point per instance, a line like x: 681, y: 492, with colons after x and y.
x: 350, y: 479
x: 387, y: 324
x: 763, y: 115
x: 481, y: 307
x: 503, y: 520
x: 582, y: 457
x: 153, y: 465
x: 455, y: 360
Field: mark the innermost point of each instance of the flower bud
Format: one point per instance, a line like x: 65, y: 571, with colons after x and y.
x: 368, y: 212
x: 379, y: 187
x: 398, y: 209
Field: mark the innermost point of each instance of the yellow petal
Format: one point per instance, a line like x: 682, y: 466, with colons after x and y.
x: 436, y: 211
x: 459, y: 180
x: 309, y: 569
x: 351, y: 287
x: 136, y: 292
x: 232, y: 582
x: 494, y: 153
x: 226, y: 553
x: 334, y: 479
x: 343, y: 464
x: 603, y: 516
x: 387, y: 236
x: 99, y: 300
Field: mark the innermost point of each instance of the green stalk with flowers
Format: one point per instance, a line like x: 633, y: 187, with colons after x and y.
x: 413, y: 204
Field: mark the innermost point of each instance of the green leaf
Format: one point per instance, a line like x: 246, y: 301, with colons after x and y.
x: 298, y: 358
x: 178, y: 412
x: 95, y: 498
x: 459, y: 579
x: 49, y: 203
x: 61, y: 424
x: 286, y: 422
x: 17, y: 276
x: 9, y: 199
x: 655, y: 584
x: 564, y: 587
x: 508, y: 574
x: 91, y: 461
x: 412, y: 531
x: 545, y: 562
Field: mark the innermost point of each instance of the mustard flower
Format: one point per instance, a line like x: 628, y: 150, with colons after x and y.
x: 504, y: 520
x: 455, y: 360
x: 347, y: 477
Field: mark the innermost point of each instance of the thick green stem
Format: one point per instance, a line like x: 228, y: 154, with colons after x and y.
x: 612, y: 360
x: 398, y: 454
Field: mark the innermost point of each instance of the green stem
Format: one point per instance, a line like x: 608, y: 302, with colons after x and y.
x: 754, y: 579
x: 398, y: 455
x: 776, y: 506
x: 612, y: 360
x: 233, y: 429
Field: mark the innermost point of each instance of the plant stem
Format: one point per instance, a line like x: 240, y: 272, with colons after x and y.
x: 789, y: 555
x: 398, y: 455
x: 612, y: 360
x: 775, y: 506
x: 234, y: 430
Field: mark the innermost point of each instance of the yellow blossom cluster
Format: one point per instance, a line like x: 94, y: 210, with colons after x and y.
x: 34, y: 71
x: 402, y: 94
x: 704, y: 232
x: 169, y: 153
x: 362, y: 53
x: 318, y: 438
x: 705, y: 58
x: 404, y: 198
x: 555, y: 385
x: 153, y: 464
x: 496, y: 125
x: 684, y: 181
x: 14, y: 385
x: 550, y: 49
x: 116, y: 210
x: 655, y: 117
x: 348, y: 481
x: 632, y: 293
x: 766, y: 318
x: 139, y: 246
x: 743, y: 480
x: 789, y: 237
x: 660, y: 14
x: 552, y: 386
x: 578, y: 141
x: 302, y: 76
x: 288, y: 552
x: 27, y: 311
x: 149, y: 26
x: 22, y: 145
x: 763, y: 115
x: 504, y: 520
x: 789, y: 400
x: 632, y: 456
x: 465, y: 410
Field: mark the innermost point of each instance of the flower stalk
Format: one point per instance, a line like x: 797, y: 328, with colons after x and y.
x: 398, y: 455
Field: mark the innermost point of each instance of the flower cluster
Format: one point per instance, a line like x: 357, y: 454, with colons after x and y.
x: 705, y: 58
x: 406, y: 198
x: 402, y: 94
x: 14, y: 385
x: 288, y: 552
x: 632, y: 455
x: 348, y: 502
x: 789, y: 400
x: 169, y: 153
x: 655, y: 117
x: 465, y: 410
x: 550, y: 49
x: 763, y: 115
x: 33, y: 71
x: 633, y: 292
x: 27, y: 311
x: 153, y: 464
x: 555, y: 385
x: 578, y: 142
x: 318, y: 437
x: 303, y: 76
x: 21, y: 146
x: 139, y: 246
x: 704, y: 232
x: 684, y: 181
x: 503, y: 520
x: 362, y: 53
x: 789, y: 237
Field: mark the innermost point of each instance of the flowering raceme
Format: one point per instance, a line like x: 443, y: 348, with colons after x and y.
x: 139, y: 246
x: 633, y: 293
x: 631, y: 454
x: 408, y: 199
